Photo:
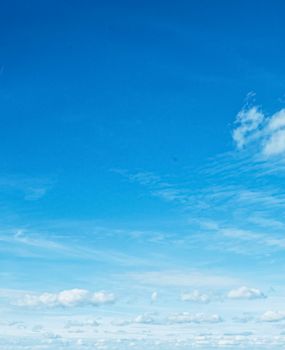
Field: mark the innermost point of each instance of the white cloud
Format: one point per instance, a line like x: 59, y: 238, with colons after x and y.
x: 196, y: 297
x: 182, y: 278
x: 248, y: 121
x: 186, y: 317
x: 31, y: 188
x: 154, y: 297
x: 275, y: 145
x: 246, y: 293
x: 277, y: 121
x: 67, y: 298
x: 171, y: 194
x: 144, y: 319
x: 256, y: 240
x: 267, y: 132
x: 83, y: 323
x: 244, y: 318
x: 273, y: 316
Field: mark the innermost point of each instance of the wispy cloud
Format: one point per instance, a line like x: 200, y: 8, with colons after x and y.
x: 157, y: 186
x: 31, y: 188
x: 233, y: 239
x: 186, y: 317
x: 24, y: 242
x: 176, y: 278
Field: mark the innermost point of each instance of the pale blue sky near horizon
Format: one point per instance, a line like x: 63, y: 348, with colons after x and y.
x: 142, y: 174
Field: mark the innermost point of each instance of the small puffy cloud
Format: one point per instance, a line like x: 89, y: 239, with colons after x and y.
x: 246, y: 293
x: 248, y: 122
x: 267, y: 132
x: 274, y: 135
x: 277, y: 121
x: 154, y: 297
x: 67, y: 298
x: 144, y: 319
x: 273, y: 316
x: 275, y: 144
x: 186, y: 317
x: 196, y: 297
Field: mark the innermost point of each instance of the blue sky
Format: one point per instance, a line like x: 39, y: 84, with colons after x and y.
x: 142, y: 175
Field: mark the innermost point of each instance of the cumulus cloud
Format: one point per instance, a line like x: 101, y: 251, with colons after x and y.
x: 186, y: 317
x: 154, y: 297
x: 196, y: 297
x: 277, y: 121
x: 246, y: 293
x: 248, y: 121
x: 268, y: 132
x: 144, y: 319
x: 273, y: 316
x: 275, y: 144
x: 67, y: 298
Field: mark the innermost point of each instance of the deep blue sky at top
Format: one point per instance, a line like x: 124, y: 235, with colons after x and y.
x: 87, y: 86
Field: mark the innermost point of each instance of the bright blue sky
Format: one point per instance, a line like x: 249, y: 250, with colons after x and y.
x: 142, y: 175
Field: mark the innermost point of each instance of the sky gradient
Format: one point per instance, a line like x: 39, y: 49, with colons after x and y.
x: 142, y: 174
